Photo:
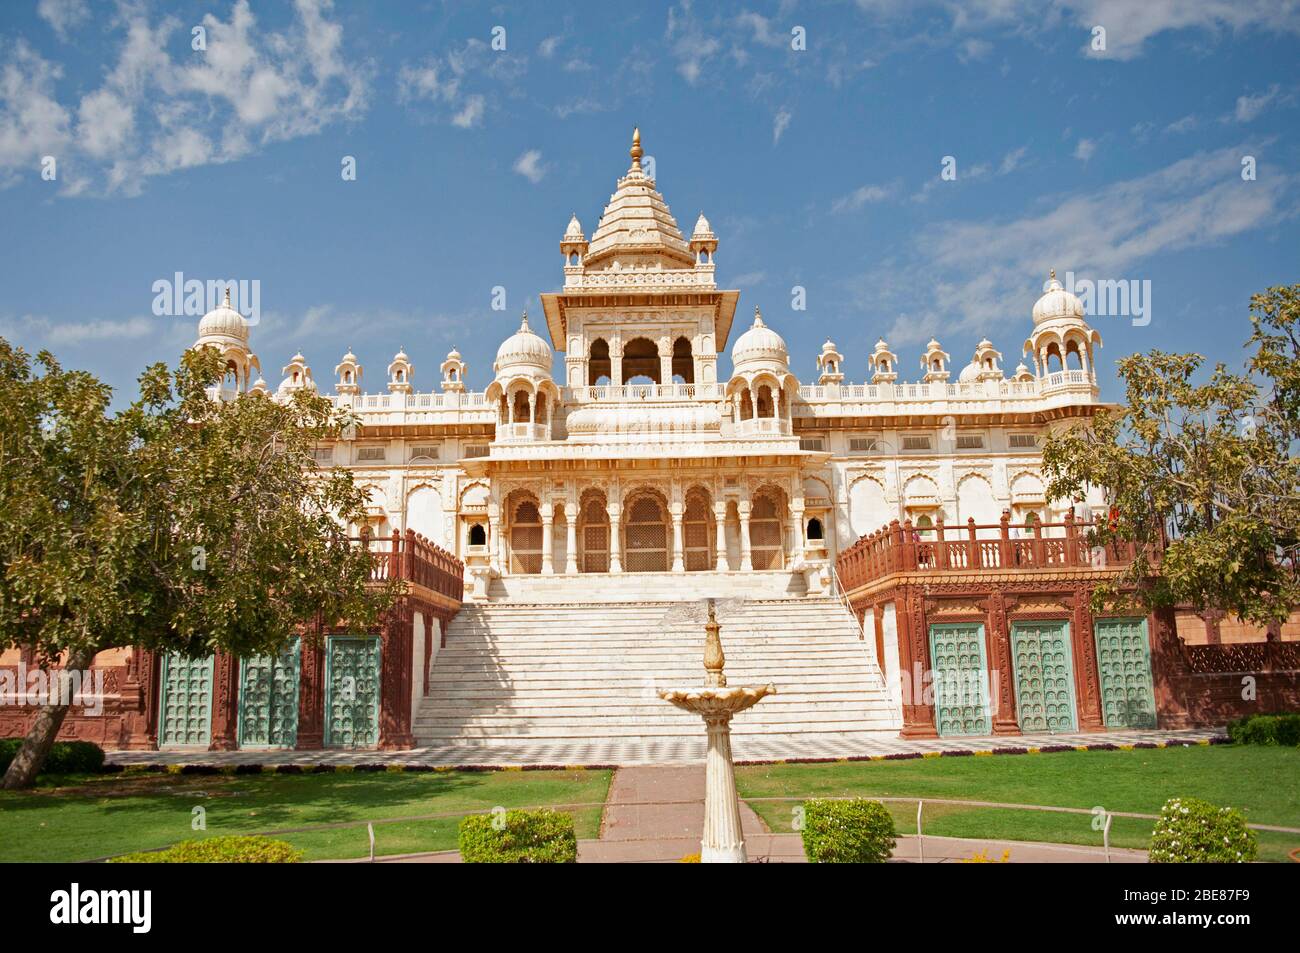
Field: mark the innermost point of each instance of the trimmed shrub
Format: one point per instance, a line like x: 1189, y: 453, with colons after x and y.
x: 855, y: 831
x: 219, y: 850
x: 1283, y: 730
x: 527, y: 837
x: 65, y: 757
x: 1192, y: 831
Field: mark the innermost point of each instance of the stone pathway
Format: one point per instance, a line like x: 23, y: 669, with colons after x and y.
x: 748, y: 749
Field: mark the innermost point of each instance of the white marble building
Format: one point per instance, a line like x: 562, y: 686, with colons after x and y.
x: 641, y: 452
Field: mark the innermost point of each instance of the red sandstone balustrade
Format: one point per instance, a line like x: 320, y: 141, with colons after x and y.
x: 415, y: 559
x: 974, y: 548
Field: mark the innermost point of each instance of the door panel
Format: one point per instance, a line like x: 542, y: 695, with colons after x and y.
x: 1124, y: 661
x: 960, y: 684
x: 1044, y: 675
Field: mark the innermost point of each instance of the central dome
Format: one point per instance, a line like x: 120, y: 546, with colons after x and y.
x: 637, y: 230
x: 523, y: 351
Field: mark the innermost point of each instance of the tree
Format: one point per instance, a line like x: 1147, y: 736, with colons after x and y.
x: 181, y: 524
x: 1203, y: 476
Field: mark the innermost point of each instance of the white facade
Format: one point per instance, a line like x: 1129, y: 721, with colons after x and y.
x: 637, y: 452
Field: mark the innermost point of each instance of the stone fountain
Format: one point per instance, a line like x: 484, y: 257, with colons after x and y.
x: 716, y: 703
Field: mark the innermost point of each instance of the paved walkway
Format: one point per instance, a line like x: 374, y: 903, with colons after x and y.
x: 656, y: 815
x: 595, y: 752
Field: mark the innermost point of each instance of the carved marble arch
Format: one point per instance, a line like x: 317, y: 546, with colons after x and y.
x: 524, y: 531
x: 699, y: 530
x: 593, y: 531
x: 683, y: 361
x: 767, y: 519
x: 646, y: 531
x: 598, y: 363
x: 641, y: 360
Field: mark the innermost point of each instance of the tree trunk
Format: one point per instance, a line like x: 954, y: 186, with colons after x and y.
x: 29, y: 760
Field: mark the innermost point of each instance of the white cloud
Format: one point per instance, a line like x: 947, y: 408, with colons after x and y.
x: 530, y: 166
x: 32, y: 122
x: 548, y: 46
x: 1011, y: 161
x: 63, y: 15
x: 154, y: 114
x: 859, y: 197
x: 1248, y: 107
x: 992, y: 269
x: 973, y: 49
x: 1085, y: 149
x: 471, y: 113
x: 779, y: 123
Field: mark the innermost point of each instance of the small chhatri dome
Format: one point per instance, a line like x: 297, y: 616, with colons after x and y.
x: 759, y: 344
x: 453, y: 355
x: 523, y: 350
x: 1056, y: 302
x: 702, y: 228
x: 224, y: 321
x: 574, y: 231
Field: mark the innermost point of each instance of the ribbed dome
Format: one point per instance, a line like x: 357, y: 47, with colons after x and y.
x: 971, y: 372
x: 1056, y: 302
x: 759, y: 343
x: 523, y: 350
x: 224, y: 321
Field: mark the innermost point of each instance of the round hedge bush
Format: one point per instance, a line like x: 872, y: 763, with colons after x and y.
x: 1192, y: 831
x: 853, y: 831
x: 518, y: 837
x: 219, y: 850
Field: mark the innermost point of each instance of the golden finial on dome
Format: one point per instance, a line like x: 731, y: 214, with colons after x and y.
x: 523, y: 321
x: 635, y: 152
x: 227, y: 296
x: 758, y: 317
x: 1052, y: 275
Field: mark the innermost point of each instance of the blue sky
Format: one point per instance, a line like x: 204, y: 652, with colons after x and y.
x: 817, y: 167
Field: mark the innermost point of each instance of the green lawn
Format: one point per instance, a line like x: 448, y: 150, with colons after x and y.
x: 1263, y: 782
x: 103, y: 815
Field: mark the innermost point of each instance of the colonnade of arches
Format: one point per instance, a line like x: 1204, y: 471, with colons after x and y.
x: 640, y: 362
x: 646, y: 532
x: 1052, y: 352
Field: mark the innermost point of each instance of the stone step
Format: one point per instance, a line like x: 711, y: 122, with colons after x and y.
x: 564, y: 672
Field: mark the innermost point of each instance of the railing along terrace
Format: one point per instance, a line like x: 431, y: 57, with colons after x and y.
x: 944, y: 390
x: 905, y: 547
x: 416, y: 560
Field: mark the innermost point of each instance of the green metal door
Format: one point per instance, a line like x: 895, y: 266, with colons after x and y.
x: 352, y: 692
x: 960, y: 685
x: 185, y: 710
x: 268, y: 699
x: 1040, y: 652
x: 1124, y: 661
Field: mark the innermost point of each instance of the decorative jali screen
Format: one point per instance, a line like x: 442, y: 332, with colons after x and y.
x: 647, y: 536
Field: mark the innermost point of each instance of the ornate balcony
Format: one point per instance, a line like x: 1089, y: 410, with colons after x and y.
x: 904, y: 548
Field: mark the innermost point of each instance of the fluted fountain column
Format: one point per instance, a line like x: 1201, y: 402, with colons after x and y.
x: 723, y: 842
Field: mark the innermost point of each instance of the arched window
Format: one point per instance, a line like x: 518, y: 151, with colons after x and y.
x: 526, y: 539
x: 520, y: 402
x: 646, y: 546
x: 765, y: 534
x: 683, y: 362
x: 641, y: 360
x: 598, y: 363
x: 698, y: 532
x: 815, y: 529
x: 765, y: 407
x: 593, y: 534
x: 923, y: 525
x: 477, y: 535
